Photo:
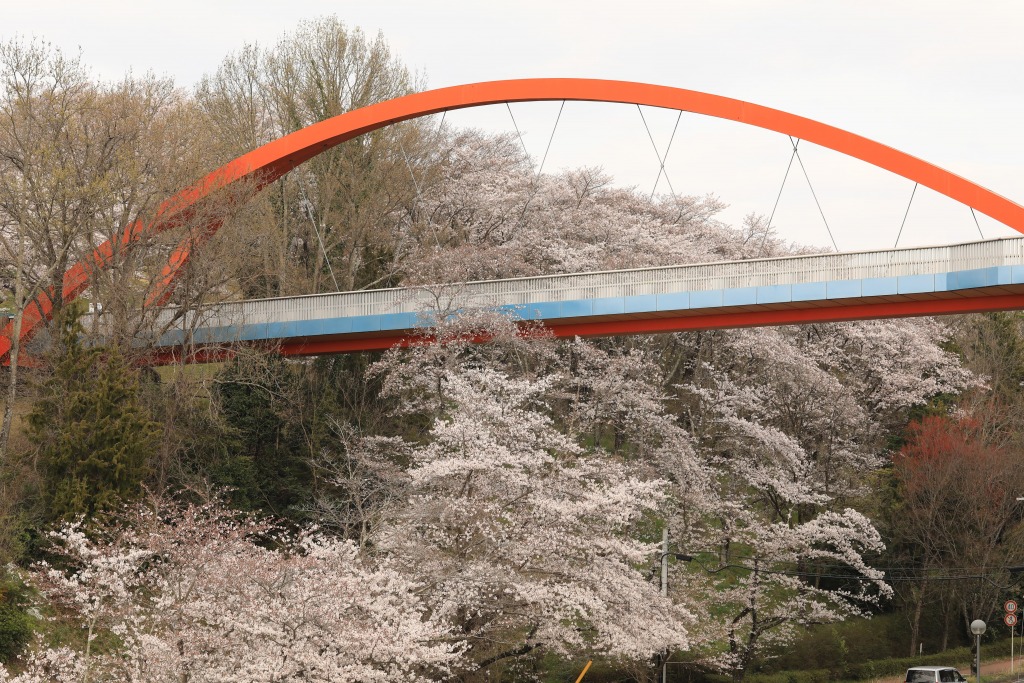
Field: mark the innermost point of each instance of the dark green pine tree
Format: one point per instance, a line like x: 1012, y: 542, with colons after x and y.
x: 93, y: 433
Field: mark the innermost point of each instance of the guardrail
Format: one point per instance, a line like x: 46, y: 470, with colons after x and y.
x: 595, y: 285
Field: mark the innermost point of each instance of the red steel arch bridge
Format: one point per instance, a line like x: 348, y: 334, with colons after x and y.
x: 972, y: 277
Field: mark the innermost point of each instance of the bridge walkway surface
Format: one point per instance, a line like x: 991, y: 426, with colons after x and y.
x: 960, y: 278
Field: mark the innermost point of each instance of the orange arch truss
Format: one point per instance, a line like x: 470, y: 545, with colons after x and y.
x: 268, y: 163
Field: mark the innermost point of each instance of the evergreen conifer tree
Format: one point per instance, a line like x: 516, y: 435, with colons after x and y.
x: 94, y: 434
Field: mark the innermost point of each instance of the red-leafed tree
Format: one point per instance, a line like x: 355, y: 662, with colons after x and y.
x: 958, y: 515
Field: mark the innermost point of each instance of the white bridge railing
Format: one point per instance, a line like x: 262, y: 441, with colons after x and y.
x: 658, y: 280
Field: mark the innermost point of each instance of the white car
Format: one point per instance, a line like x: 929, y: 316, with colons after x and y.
x: 934, y: 674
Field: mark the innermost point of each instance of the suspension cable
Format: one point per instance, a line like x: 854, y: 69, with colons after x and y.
x: 813, y: 193
x: 551, y: 139
x: 907, y: 213
x: 540, y: 169
x: 978, y: 225
x: 416, y: 200
x: 309, y: 213
x: 668, y: 148
x: 518, y: 132
x: 764, y: 237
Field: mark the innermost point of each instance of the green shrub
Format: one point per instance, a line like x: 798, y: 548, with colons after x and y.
x: 883, y: 636
x: 15, y: 632
x: 15, y: 623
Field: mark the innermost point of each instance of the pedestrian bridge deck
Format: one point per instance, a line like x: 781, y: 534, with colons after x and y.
x: 976, y: 276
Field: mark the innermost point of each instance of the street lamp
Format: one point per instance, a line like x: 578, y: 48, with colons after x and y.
x: 977, y: 628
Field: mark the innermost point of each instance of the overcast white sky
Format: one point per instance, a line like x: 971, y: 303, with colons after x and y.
x: 940, y: 79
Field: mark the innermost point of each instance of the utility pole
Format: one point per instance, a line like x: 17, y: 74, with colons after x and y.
x: 664, y: 561
x: 664, y: 591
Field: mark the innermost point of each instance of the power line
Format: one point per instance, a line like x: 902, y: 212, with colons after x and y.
x: 889, y: 574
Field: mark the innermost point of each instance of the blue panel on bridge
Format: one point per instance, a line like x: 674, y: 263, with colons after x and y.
x: 577, y: 308
x: 204, y: 336
x: 171, y: 338
x: 878, y: 286
x: 674, y: 301
x: 966, y: 279
x: 610, y: 306
x: 279, y: 329
x: 742, y: 296
x: 774, y: 294
x: 810, y: 291
x: 366, y: 323
x: 641, y: 303
x: 180, y: 337
x: 307, y: 328
x: 981, y: 277
x: 709, y: 299
x: 843, y: 289
x: 398, y: 321
x: 543, y: 310
x: 245, y: 333
x: 915, y: 284
x: 337, y: 325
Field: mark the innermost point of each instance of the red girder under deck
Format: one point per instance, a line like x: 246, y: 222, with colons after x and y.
x: 273, y: 160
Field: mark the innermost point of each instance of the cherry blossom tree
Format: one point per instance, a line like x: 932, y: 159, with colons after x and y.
x: 200, y: 594
x: 795, y: 421
x: 360, y: 481
x: 486, y: 215
x: 526, y: 531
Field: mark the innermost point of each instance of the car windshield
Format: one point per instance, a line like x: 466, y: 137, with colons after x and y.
x: 915, y: 676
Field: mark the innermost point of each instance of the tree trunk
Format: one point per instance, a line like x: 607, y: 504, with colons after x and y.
x: 915, y: 623
x: 947, y: 619
x: 12, y: 387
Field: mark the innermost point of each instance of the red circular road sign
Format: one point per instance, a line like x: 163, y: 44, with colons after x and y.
x: 1010, y: 606
x: 1010, y: 619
